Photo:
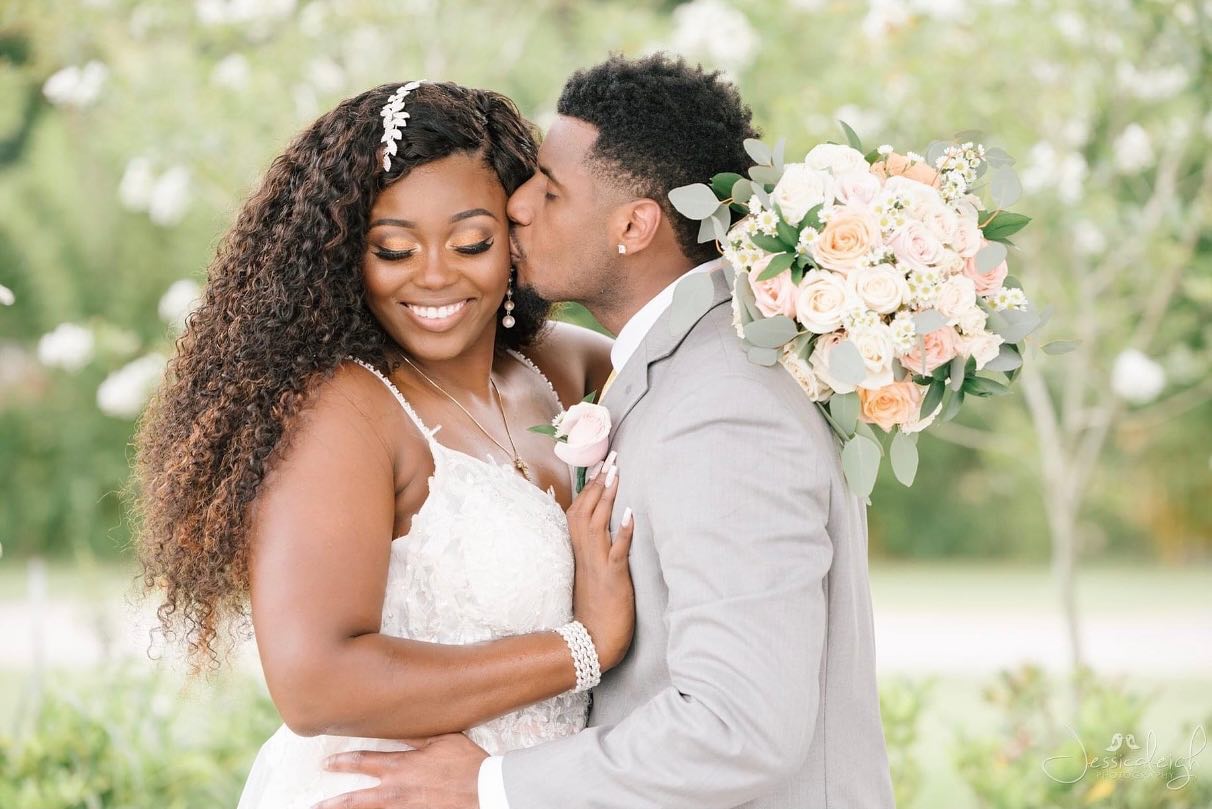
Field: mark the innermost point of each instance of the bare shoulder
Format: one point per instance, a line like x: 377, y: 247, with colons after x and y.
x: 574, y: 358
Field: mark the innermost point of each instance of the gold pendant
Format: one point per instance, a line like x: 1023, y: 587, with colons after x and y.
x: 522, y: 467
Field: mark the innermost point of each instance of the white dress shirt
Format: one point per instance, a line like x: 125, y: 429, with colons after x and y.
x: 491, y: 780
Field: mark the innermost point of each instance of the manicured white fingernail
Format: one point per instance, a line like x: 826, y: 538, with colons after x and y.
x: 626, y: 517
x: 610, y: 458
x: 610, y: 475
x: 593, y: 473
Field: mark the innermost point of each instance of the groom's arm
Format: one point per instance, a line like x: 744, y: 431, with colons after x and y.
x: 739, y: 498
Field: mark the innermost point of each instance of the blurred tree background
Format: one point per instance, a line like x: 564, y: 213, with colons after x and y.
x: 130, y: 131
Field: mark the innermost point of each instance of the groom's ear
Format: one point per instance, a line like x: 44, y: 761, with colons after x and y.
x: 635, y: 224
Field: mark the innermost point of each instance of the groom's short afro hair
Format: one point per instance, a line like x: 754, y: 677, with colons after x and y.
x: 661, y: 124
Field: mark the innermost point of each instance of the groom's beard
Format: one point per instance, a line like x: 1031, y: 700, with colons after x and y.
x: 529, y: 305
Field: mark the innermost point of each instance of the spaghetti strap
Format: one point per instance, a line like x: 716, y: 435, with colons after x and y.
x: 522, y: 358
x: 412, y: 414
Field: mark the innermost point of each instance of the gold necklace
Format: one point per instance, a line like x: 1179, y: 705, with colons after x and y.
x: 519, y: 464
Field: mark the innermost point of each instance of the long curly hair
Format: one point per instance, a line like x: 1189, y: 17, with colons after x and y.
x: 283, y: 306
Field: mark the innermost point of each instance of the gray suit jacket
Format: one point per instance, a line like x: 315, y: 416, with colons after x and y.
x: 751, y: 679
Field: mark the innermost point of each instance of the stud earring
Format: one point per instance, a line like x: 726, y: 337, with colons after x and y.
x: 622, y: 249
x: 508, y: 321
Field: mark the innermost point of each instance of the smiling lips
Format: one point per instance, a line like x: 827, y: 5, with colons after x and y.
x: 438, y: 317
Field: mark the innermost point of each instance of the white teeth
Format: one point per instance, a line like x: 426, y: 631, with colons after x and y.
x: 437, y: 312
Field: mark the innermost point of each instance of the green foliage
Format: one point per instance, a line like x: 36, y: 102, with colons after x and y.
x: 130, y: 741
x: 902, y: 703
x: 1096, y: 753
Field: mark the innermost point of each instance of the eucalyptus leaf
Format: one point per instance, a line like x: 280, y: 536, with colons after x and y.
x: 761, y: 193
x: 951, y: 406
x: 720, y: 220
x: 903, y: 454
x: 990, y: 256
x: 760, y: 355
x: 861, y: 463
x: 965, y: 135
x: 1060, y: 346
x: 759, y: 151
x: 846, y: 363
x: 691, y: 297
x: 729, y: 275
x: 742, y: 290
x: 928, y: 320
x: 997, y: 157
x: 1007, y: 359
x: 707, y: 230
x: 955, y: 376
x: 723, y: 183
x: 742, y: 190
x: 766, y: 175
x: 935, y: 150
x: 1005, y: 187
x: 1013, y: 324
x: 844, y: 407
x: 780, y: 149
x: 771, y: 332
x: 863, y: 428
x: 695, y: 201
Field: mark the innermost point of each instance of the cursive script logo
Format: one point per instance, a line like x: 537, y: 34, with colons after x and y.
x: 1128, y: 764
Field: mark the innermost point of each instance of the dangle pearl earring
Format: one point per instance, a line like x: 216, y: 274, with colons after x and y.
x: 508, y: 321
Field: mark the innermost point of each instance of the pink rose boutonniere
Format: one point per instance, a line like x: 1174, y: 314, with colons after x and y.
x: 582, y: 435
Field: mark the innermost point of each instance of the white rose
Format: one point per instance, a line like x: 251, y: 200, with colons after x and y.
x: 856, y: 188
x: 940, y: 220
x: 881, y: 288
x: 816, y: 388
x: 874, y: 344
x: 972, y: 320
x: 966, y: 240
x: 836, y: 159
x: 955, y: 296
x: 800, y: 189
x: 821, y: 301
x: 982, y: 346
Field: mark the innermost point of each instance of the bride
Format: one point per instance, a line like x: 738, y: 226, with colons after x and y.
x: 341, y: 444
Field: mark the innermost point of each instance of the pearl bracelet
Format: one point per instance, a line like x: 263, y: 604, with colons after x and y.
x: 584, y: 655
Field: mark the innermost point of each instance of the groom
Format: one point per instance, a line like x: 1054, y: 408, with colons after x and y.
x: 751, y: 679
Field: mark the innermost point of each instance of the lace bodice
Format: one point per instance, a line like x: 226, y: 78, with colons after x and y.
x: 488, y: 555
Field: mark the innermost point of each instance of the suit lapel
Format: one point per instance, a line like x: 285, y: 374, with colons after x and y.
x: 666, y: 334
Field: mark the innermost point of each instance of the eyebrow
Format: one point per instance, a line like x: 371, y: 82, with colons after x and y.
x: 547, y: 173
x: 459, y: 217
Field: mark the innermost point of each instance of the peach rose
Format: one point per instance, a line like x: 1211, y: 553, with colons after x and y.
x: 899, y: 165
x: 774, y: 296
x: 848, y: 236
x: 941, y: 346
x: 893, y: 404
x: 586, y: 430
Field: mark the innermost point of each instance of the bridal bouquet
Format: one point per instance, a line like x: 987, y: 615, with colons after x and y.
x: 879, y: 280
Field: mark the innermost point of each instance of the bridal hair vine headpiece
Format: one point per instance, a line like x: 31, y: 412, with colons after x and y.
x: 394, y: 119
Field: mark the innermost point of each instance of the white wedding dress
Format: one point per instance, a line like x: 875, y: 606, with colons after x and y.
x: 488, y: 555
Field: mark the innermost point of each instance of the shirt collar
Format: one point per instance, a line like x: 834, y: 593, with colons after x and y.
x: 638, y: 325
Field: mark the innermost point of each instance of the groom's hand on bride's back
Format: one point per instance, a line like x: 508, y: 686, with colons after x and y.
x: 603, y: 599
x: 441, y: 773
